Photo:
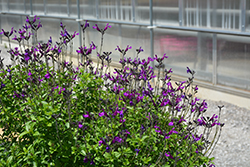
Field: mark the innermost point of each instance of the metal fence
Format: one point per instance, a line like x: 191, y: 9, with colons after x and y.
x: 209, y: 36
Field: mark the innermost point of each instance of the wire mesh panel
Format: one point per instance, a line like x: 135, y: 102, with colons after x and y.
x: 233, y: 61
x: 186, y: 49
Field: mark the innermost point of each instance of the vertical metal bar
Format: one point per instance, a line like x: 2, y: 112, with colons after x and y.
x: 214, y: 80
x: 243, y: 15
x: 68, y: 7
x: 133, y: 10
x: 223, y: 14
x: 234, y: 16
x: 197, y: 13
x: 31, y: 8
x: 180, y: 12
x: 121, y: 9
x: 151, y: 31
x: 108, y: 8
x: 45, y: 6
x: 97, y: 8
x: 117, y: 10
x: 79, y: 26
x: 8, y: 5
x: 214, y: 18
x: 187, y: 14
x: 229, y: 15
x: 25, y: 6
x: 208, y: 14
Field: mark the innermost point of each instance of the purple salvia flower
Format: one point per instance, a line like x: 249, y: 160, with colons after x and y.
x: 97, y: 28
x: 188, y: 70
x: 29, y: 73
x: 171, y: 124
x: 86, y: 115
x: 107, y: 26
x: 61, y: 89
x: 80, y: 125
x: 48, y: 75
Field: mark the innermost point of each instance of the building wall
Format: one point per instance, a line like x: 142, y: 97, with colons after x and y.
x: 209, y: 36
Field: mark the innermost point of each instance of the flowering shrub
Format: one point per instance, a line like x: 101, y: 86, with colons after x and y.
x: 86, y: 116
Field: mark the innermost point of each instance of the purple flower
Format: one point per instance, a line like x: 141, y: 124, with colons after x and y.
x: 157, y: 129
x: 80, y: 125
x: 139, y: 50
x: 86, y: 115
x: 107, y: 26
x: 167, y: 154
x: 61, y: 89
x: 117, y: 139
x: 97, y: 28
x: 40, y: 80
x: 29, y: 73
x: 172, y: 131
x: 196, y: 138
x: 84, y: 26
x: 85, y: 160
x: 100, y: 142
x: 103, y: 113
x: 122, y: 120
x: 148, y: 116
x: 188, y: 70
x: 7, y: 33
x: 48, y: 75
x: 137, y: 151
x: 171, y: 124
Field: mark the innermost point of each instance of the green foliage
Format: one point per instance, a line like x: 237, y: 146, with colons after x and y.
x: 82, y: 118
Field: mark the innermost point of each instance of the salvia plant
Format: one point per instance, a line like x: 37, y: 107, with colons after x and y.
x: 88, y: 116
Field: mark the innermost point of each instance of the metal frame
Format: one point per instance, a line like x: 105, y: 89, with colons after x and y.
x: 151, y: 26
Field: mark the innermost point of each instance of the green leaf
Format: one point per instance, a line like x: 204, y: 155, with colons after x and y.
x: 67, y: 124
x: 10, y: 159
x: 117, y: 154
x: 107, y: 155
x: 24, y: 133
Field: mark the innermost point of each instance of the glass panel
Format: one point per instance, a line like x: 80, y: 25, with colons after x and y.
x: 9, y: 21
x: 87, y: 9
x: 126, y: 10
x: 222, y: 14
x: 27, y: 6
x: 16, y: 6
x: 166, y: 12
x: 142, y: 11
x: 121, y: 35
x: 50, y: 27
x: 38, y: 7
x: 185, y: 49
x: 107, y: 9
x: 248, y: 16
x: 4, y: 5
x: 233, y: 61
x: 56, y: 7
